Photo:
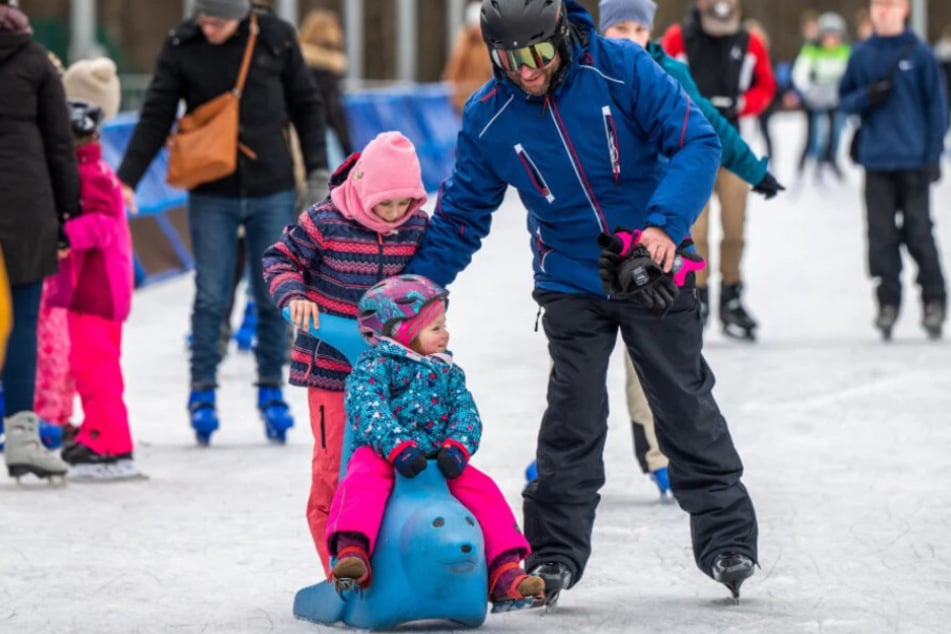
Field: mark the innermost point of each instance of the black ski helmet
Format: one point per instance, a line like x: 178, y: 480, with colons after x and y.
x: 512, y: 24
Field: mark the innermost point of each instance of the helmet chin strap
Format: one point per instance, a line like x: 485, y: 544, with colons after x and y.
x: 565, y: 56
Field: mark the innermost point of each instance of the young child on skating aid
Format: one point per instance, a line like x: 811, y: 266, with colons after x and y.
x: 94, y: 284
x: 405, y: 400
x: 367, y: 229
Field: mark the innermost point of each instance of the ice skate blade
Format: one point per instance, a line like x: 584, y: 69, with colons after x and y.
x: 736, y: 332
x: 121, y: 471
x: 513, y: 605
x: 344, y: 586
x: 17, y: 471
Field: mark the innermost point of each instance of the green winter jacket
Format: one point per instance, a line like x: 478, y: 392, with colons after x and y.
x: 817, y: 72
x: 737, y: 155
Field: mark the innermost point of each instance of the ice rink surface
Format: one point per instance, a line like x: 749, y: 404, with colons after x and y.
x: 846, y: 442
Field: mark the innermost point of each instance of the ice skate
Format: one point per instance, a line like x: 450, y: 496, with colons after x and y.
x: 25, y: 453
x: 736, y: 322
x: 204, y: 418
x: 661, y: 478
x: 352, y: 569
x: 932, y: 319
x: 557, y: 577
x: 732, y: 570
x: 85, y: 465
x: 512, y: 589
x: 275, y: 413
x: 246, y: 336
x: 885, y: 321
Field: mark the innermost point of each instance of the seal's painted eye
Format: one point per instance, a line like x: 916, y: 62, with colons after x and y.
x: 470, y: 521
x: 439, y: 522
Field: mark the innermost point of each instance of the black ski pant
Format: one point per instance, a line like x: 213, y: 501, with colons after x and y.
x: 908, y: 192
x: 704, y: 466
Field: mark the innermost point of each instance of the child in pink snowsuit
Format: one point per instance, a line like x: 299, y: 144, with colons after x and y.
x: 95, y: 285
x: 406, y: 400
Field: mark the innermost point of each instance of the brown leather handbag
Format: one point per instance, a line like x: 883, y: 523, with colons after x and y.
x: 205, y: 146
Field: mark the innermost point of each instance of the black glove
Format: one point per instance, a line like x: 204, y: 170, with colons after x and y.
x: 410, y: 461
x: 879, y: 92
x: 638, y: 277
x: 451, y: 460
x: 62, y: 240
x: 768, y: 187
x: 933, y: 171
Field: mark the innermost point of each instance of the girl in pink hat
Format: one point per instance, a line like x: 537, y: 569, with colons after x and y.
x: 367, y: 229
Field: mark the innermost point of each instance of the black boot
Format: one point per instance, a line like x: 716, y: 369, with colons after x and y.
x: 885, y: 320
x: 733, y: 316
x: 732, y: 570
x: 557, y: 577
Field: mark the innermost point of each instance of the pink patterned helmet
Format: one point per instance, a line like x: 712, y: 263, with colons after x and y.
x: 391, y: 304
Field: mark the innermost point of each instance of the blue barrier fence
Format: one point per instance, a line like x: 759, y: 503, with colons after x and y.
x: 422, y: 112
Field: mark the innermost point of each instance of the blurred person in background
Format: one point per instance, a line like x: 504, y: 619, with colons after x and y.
x: 468, y: 66
x: 863, y: 25
x: 894, y: 83
x: 764, y: 118
x: 39, y: 191
x: 321, y: 42
x: 816, y: 75
x: 633, y: 20
x: 200, y: 61
x: 732, y: 69
x: 942, y: 52
x: 93, y: 81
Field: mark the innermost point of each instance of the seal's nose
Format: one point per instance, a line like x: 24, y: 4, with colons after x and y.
x: 467, y: 548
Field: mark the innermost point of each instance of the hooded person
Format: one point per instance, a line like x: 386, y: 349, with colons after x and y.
x: 39, y: 190
x: 367, y: 229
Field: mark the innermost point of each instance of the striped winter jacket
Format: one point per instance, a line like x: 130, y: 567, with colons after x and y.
x: 332, y: 260
x: 395, y: 397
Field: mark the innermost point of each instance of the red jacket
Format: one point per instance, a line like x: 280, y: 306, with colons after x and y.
x: 97, y: 277
x: 757, y: 87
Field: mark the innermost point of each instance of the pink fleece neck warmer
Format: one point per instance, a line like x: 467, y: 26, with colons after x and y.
x: 388, y: 169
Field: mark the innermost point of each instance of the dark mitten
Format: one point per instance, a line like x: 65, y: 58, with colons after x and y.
x: 451, y: 460
x: 879, y: 92
x: 933, y: 171
x: 62, y: 239
x: 642, y: 279
x: 410, y: 461
x: 768, y: 187
x: 614, y: 247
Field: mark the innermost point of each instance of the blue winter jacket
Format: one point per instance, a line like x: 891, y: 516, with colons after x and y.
x: 737, y: 155
x: 395, y: 396
x: 585, y: 159
x: 907, y: 131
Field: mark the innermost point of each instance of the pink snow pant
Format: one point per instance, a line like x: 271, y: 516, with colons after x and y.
x: 55, y: 391
x: 96, y: 345
x: 327, y: 420
x: 360, y: 501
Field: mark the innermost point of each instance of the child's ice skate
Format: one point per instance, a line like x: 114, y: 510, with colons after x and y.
x: 352, y: 569
x: 24, y: 452
x: 885, y: 321
x: 85, y: 465
x: 512, y: 589
x: 246, y: 335
x: 275, y: 413
x: 204, y: 418
x: 661, y: 478
x: 932, y: 319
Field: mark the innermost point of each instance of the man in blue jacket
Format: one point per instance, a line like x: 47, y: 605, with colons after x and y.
x: 894, y: 82
x: 595, y: 136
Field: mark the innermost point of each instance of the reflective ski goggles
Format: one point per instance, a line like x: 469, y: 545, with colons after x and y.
x: 534, y: 56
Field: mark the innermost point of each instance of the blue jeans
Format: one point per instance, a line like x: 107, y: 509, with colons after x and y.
x: 19, y: 371
x: 213, y: 224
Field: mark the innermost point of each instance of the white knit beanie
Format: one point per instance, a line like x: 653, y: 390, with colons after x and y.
x: 95, y: 81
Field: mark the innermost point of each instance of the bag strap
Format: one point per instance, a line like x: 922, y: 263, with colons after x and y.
x: 248, y: 50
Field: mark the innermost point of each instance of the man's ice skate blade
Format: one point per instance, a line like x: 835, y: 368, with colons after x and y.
x: 732, y: 570
x: 557, y: 577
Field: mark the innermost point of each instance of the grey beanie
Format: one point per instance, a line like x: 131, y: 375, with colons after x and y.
x: 613, y: 11
x: 225, y: 9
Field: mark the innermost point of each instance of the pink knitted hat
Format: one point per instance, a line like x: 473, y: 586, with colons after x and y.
x: 388, y: 169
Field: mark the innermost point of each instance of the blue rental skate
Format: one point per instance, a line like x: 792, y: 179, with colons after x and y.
x: 204, y: 417
x: 246, y: 335
x: 429, y: 560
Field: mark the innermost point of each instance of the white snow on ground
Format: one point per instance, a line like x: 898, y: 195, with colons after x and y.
x: 846, y: 442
